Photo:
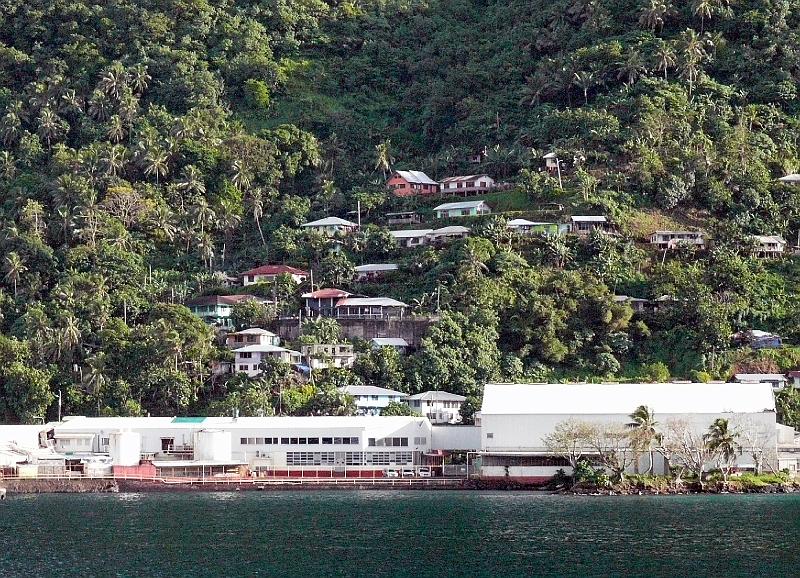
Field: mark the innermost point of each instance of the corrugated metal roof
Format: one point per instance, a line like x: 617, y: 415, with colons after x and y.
x: 389, y: 341
x: 417, y: 177
x: 460, y: 205
x: 376, y: 267
x: 463, y: 178
x: 370, y: 390
x: 265, y: 348
x: 437, y: 396
x: 410, y: 233
x: 588, y: 218
x: 623, y: 398
x: 451, y: 230
x: 526, y: 223
x: 329, y: 222
x: 368, y: 301
x: 274, y: 270
x: 326, y: 294
x: 791, y: 178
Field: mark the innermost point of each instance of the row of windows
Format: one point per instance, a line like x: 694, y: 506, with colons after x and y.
x: 349, y: 458
x: 338, y: 441
x: 449, y: 404
x: 388, y: 442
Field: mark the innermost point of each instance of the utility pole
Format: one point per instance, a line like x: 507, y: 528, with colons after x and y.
x: 359, y: 213
x: 558, y: 168
x: 59, y: 405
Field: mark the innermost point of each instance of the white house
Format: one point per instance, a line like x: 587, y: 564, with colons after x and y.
x: 791, y: 179
x: 447, y: 234
x: 331, y: 226
x: 467, y: 185
x: 582, y: 225
x: 398, y: 343
x: 270, y: 272
x: 327, y: 355
x: 438, y: 406
x: 462, y: 209
x: 671, y: 239
x: 411, y: 238
x: 516, y: 418
x: 252, y: 336
x: 249, y: 357
x: 769, y: 246
x: 370, y: 400
x: 777, y: 380
x: 374, y: 271
x: 526, y: 227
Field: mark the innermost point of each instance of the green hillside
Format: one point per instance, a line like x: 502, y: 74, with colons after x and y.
x: 147, y: 146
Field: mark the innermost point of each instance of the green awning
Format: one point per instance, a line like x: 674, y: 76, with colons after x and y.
x: 188, y: 419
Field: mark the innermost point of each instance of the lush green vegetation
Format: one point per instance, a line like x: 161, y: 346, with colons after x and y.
x: 145, y: 146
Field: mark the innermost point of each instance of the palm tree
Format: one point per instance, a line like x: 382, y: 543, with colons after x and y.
x: 665, y: 57
x: 68, y: 337
x: 257, y: 208
x: 632, y: 68
x: 139, y: 78
x: 8, y: 165
x: 50, y: 125
x: 702, y: 8
x: 114, y: 158
x: 693, y: 53
x: 99, y: 106
x: 94, y: 378
x: 722, y: 441
x: 652, y: 15
x: 116, y: 129
x: 10, y: 128
x: 114, y: 81
x: 383, y: 157
x: 240, y: 176
x: 644, y: 431
x: 15, y: 267
x: 584, y: 80
x: 156, y: 163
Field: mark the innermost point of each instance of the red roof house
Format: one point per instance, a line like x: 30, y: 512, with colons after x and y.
x: 412, y: 183
x: 270, y: 272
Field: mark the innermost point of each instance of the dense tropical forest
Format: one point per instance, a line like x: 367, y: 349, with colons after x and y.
x: 146, y: 147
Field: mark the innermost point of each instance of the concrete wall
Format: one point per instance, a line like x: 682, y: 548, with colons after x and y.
x: 412, y: 330
x: 456, y: 437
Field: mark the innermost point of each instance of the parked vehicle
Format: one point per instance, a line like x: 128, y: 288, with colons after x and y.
x: 408, y: 473
x: 392, y: 474
x: 425, y: 473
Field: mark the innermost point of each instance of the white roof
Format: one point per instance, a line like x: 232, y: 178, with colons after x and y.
x: 791, y: 178
x: 526, y: 223
x: 437, y: 396
x: 410, y: 233
x: 623, y: 398
x: 462, y: 178
x: 460, y: 205
x: 370, y: 390
x: 367, y: 301
x: 550, y: 156
x: 95, y: 424
x: 759, y: 377
x: 770, y: 239
x: 625, y: 298
x: 265, y: 348
x: 451, y: 230
x: 700, y: 233
x: 389, y: 341
x: 376, y: 267
x: 417, y: 177
x: 588, y: 219
x: 252, y: 331
x: 330, y: 221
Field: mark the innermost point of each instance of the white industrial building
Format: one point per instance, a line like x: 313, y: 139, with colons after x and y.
x: 516, y: 418
x: 319, y: 446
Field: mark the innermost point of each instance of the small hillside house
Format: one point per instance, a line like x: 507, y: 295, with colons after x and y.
x: 582, y: 225
x: 369, y: 308
x: 440, y: 407
x: 252, y: 336
x: 670, y: 239
x: 332, y: 226
x: 323, y: 301
x: 403, y: 218
x: 374, y: 271
x: 397, y: 343
x: 757, y: 339
x: 411, y: 238
x: 462, y: 209
x: 791, y: 179
x: 370, y: 399
x: 551, y: 163
x: 248, y: 359
x: 327, y: 355
x: 769, y: 246
x: 467, y: 185
x: 216, y: 309
x: 776, y: 380
x: 269, y: 273
x: 525, y: 227
x: 412, y: 184
x: 447, y: 234
x: 637, y: 304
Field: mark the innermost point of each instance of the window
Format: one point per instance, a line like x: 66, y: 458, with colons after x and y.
x: 293, y: 441
x: 489, y: 436
x: 354, y: 441
x: 251, y: 441
x: 285, y: 441
x: 313, y: 441
x: 243, y: 367
x: 337, y: 441
x: 371, y: 442
x: 243, y: 441
x: 415, y: 403
x: 420, y: 441
x: 302, y: 441
x: 327, y: 441
x: 104, y: 441
x: 259, y: 441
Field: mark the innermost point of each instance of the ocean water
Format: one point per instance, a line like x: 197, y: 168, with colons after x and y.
x: 411, y: 533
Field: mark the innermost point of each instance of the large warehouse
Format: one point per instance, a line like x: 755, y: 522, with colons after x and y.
x: 516, y: 418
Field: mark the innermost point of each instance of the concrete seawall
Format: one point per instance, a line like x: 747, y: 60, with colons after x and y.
x: 64, y: 486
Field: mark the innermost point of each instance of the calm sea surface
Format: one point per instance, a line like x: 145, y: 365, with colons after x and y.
x: 378, y: 533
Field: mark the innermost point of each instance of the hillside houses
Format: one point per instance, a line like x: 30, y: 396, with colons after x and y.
x: 462, y: 209
x: 331, y: 226
x: 341, y: 304
x: 216, y: 309
x: 412, y: 183
x: 467, y: 185
x: 252, y: 336
x: 525, y: 227
x: 583, y: 225
x: 769, y: 246
x: 248, y: 359
x: 374, y: 271
x: 664, y: 240
x: 411, y: 238
x: 269, y: 273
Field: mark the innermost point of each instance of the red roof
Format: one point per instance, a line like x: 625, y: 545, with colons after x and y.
x: 274, y: 270
x: 795, y: 373
x: 326, y: 294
